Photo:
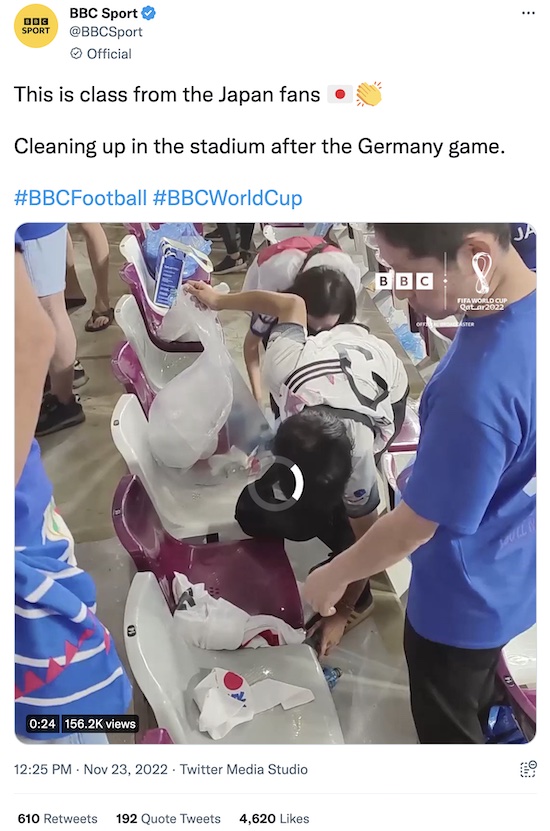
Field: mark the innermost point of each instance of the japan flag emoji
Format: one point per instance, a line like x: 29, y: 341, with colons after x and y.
x: 342, y: 94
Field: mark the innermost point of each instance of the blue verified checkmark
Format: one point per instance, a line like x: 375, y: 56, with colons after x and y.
x: 148, y: 12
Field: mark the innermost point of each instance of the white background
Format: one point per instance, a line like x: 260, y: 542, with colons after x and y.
x: 471, y: 71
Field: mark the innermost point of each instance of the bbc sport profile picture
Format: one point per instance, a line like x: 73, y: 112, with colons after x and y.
x: 36, y: 26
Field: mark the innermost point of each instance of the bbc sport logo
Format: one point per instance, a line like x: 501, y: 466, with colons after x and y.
x: 36, y: 26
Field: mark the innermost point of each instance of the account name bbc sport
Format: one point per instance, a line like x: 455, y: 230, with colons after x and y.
x: 167, y: 197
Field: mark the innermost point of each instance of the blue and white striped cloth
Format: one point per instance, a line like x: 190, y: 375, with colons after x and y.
x: 65, y: 660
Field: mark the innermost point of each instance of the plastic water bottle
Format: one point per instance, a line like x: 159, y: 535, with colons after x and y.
x: 411, y: 342
x: 332, y: 676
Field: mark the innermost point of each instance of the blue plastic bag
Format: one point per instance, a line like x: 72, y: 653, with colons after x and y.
x: 179, y: 232
x: 502, y: 727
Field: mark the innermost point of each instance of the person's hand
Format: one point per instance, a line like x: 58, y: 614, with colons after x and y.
x: 204, y: 293
x: 331, y: 632
x: 369, y: 94
x: 322, y: 591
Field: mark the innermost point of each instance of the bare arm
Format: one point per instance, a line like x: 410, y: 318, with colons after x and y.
x: 251, y: 351
x: 34, y: 345
x: 392, y: 538
x: 361, y: 524
x: 288, y: 308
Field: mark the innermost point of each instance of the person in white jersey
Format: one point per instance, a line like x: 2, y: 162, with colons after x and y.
x: 342, y: 395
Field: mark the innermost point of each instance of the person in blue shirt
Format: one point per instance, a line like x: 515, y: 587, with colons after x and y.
x: 467, y: 516
x: 65, y: 661
x: 524, y: 240
x: 45, y: 254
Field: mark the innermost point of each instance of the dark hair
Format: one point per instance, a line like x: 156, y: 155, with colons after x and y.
x: 326, y: 291
x: 317, y: 442
x: 438, y: 239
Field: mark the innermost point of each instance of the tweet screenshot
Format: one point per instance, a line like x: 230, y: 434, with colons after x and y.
x: 274, y: 330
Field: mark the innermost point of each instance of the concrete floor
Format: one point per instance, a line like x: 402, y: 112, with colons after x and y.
x: 86, y: 468
x: 85, y: 454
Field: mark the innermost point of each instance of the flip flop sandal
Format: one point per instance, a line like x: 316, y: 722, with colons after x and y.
x: 109, y: 314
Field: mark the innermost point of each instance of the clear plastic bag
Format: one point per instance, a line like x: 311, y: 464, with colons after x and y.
x: 177, y: 323
x: 188, y: 414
